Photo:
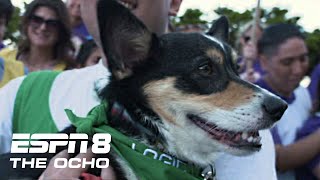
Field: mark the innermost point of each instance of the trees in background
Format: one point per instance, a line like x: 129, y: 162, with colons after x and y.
x: 12, y: 34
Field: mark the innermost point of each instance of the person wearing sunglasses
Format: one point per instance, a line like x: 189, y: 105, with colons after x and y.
x: 45, y: 40
x: 248, y: 52
x: 78, y: 28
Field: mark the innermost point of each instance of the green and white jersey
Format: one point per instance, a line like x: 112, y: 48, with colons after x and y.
x: 36, y: 103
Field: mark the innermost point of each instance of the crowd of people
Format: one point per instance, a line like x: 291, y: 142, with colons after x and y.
x: 52, y: 33
x: 63, y: 39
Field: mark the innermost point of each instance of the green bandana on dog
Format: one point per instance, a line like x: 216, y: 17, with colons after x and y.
x: 145, y: 162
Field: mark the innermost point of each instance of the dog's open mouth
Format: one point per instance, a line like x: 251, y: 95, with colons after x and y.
x: 233, y: 139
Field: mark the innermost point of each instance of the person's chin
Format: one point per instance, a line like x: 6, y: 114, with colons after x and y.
x: 293, y: 85
x: 42, y: 44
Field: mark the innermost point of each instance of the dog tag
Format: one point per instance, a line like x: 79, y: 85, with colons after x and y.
x: 209, y: 173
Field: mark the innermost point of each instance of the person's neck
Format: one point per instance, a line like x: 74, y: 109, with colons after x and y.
x: 75, y: 23
x: 40, y: 55
x: 278, y: 91
x: 39, y: 58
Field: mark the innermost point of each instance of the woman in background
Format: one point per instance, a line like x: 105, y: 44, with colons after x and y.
x: 45, y: 43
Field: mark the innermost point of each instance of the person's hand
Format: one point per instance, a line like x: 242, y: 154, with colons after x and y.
x: 73, y: 173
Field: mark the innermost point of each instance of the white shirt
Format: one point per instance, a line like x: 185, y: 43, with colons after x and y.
x: 75, y: 90
x: 295, y: 116
x: 258, y: 166
x: 292, y: 120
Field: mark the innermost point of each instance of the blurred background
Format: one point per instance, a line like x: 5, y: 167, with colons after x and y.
x: 200, y: 14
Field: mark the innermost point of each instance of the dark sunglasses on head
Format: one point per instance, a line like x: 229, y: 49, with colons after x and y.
x: 246, y: 39
x: 37, y: 21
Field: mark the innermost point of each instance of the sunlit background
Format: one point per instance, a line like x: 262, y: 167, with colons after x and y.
x: 308, y: 10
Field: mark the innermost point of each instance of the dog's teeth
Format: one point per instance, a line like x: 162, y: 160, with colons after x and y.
x: 254, y: 140
x: 126, y: 4
x: 244, y: 135
x: 258, y: 139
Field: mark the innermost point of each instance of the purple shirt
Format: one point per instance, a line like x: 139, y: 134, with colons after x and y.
x: 256, y: 66
x: 313, y: 86
x: 262, y: 83
x: 81, y: 32
x: 310, y: 126
x: 2, y: 46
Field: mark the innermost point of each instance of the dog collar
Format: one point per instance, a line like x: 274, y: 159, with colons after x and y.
x: 138, y: 156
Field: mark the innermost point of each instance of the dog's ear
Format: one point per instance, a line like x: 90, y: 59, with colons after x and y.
x: 220, y: 29
x: 125, y: 40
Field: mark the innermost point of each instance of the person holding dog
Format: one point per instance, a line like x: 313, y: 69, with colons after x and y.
x: 284, y: 57
x: 63, y: 90
x: 67, y: 87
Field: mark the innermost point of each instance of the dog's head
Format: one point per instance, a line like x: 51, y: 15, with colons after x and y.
x: 190, y: 81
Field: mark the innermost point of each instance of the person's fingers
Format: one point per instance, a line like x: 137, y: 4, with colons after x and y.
x: 76, y: 172
x: 50, y: 168
x: 57, y: 173
x: 62, y: 154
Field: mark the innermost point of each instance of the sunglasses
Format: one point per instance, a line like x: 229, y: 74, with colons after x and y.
x: 37, y: 21
x: 246, y: 39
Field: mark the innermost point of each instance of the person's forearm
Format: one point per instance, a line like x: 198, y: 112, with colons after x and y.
x: 298, y: 153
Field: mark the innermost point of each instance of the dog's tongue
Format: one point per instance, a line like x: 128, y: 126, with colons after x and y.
x: 229, y: 137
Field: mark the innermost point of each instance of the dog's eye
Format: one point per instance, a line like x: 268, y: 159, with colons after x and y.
x: 206, y: 69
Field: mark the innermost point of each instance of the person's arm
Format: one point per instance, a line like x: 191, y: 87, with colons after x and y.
x: 299, y: 153
x: 7, y: 98
x: 315, y: 76
x: 250, y: 54
x: 67, y: 173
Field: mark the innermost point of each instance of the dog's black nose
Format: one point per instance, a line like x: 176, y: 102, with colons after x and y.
x: 275, y: 107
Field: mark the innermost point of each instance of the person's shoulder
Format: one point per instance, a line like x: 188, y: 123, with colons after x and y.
x: 84, y: 76
x: 13, y: 85
x: 9, y: 53
x: 301, y: 91
x: 303, y: 98
x: 10, y: 70
x: 317, y: 68
x: 90, y: 71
